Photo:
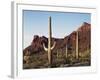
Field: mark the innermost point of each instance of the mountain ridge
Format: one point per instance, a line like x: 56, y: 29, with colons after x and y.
x: 84, y: 41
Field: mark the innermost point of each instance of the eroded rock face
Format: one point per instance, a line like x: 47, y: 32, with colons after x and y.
x: 84, y: 37
x: 36, y: 46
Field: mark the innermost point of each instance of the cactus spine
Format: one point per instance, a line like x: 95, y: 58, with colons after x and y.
x: 77, y: 53
x: 49, y: 49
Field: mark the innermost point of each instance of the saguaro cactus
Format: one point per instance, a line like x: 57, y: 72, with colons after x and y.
x: 49, y: 49
x: 66, y: 51
x: 77, y: 53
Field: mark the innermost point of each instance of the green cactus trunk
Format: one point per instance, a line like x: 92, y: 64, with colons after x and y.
x: 49, y: 49
x: 66, y: 52
x: 49, y: 42
x: 77, y: 52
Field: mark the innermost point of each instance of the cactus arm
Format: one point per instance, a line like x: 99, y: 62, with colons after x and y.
x: 45, y: 47
x: 53, y: 46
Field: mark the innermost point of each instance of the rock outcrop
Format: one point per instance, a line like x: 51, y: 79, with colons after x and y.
x: 36, y: 46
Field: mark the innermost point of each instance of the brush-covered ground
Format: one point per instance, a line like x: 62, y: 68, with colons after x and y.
x: 59, y: 59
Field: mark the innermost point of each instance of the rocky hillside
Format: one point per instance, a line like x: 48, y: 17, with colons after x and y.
x: 84, y: 30
x: 34, y: 56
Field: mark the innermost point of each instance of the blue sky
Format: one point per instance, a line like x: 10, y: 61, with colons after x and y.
x: 63, y: 23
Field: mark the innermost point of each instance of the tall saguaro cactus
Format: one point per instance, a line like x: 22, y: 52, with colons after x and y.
x: 50, y: 48
x: 77, y: 52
